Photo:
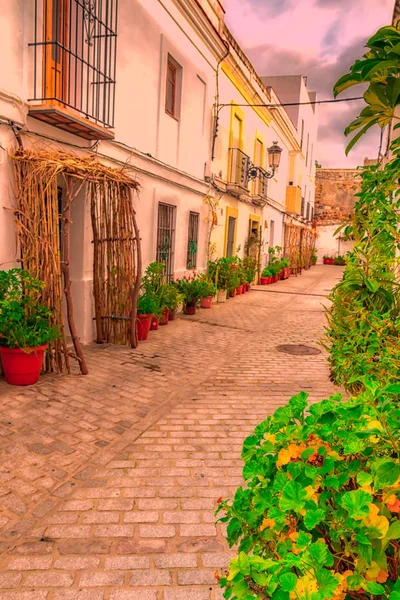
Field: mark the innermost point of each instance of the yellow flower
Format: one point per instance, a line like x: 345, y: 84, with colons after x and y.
x: 293, y: 452
x: 270, y: 437
x: 267, y: 523
x: 375, y: 521
x: 312, y: 494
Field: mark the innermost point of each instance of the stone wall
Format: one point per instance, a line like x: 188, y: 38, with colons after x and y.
x: 335, y: 195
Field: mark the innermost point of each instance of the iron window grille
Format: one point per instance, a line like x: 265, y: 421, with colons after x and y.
x: 74, y: 56
x: 193, y: 235
x: 302, y: 207
x: 166, y: 237
x: 308, y: 211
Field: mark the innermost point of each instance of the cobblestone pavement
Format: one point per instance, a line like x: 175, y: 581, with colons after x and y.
x: 108, y: 483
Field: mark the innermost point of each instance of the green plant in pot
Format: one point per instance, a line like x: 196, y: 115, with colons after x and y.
x: 207, y: 290
x: 26, y: 327
x: 171, y: 299
x: 190, y: 288
x: 224, y: 274
x: 233, y: 281
x: 147, y: 307
x: 153, y: 283
x: 250, y: 267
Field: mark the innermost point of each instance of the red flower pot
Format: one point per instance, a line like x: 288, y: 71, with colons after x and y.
x: 172, y: 315
x: 269, y: 280
x: 239, y: 290
x: 190, y: 308
x: 154, y: 323
x: 264, y: 280
x: 22, y: 368
x: 248, y: 286
x: 286, y: 273
x: 164, y: 317
x: 143, y: 323
x: 206, y: 302
x: 274, y: 278
x: 232, y: 294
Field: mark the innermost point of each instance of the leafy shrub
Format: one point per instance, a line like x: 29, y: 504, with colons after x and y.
x: 153, y: 277
x: 206, y: 286
x: 148, y: 304
x: 24, y: 321
x: 363, y: 332
x: 267, y: 272
x: 190, y: 288
x: 250, y: 268
x: 318, y: 517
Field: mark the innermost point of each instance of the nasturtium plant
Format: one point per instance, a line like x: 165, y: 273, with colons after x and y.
x: 318, y: 516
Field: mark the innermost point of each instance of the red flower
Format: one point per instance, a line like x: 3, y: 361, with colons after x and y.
x: 219, y: 500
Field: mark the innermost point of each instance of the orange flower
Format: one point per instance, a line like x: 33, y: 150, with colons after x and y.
x: 393, y: 504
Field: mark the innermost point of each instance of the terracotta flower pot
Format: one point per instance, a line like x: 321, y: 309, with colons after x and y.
x: 232, y: 294
x: 239, y: 290
x: 172, y: 315
x: 248, y: 286
x: 270, y: 280
x: 164, y: 317
x: 221, y: 296
x: 22, y: 367
x: 264, y: 280
x: 206, y: 302
x: 143, y: 323
x: 190, y: 308
x: 154, y: 323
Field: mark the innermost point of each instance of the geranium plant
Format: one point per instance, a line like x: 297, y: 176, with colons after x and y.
x: 318, y: 517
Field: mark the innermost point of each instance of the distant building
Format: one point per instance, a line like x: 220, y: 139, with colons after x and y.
x: 335, y: 197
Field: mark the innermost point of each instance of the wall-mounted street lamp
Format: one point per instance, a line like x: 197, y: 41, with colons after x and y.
x: 274, y: 158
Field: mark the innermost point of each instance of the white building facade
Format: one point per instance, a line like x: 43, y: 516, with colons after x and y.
x: 138, y: 84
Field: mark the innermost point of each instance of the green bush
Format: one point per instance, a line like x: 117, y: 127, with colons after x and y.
x: 24, y: 321
x: 148, y: 304
x: 318, y: 517
x: 206, y: 286
x: 267, y: 272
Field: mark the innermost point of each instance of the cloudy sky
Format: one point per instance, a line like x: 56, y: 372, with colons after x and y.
x: 319, y: 39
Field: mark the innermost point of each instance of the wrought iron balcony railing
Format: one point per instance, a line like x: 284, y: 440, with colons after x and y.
x: 239, y: 166
x: 74, y: 61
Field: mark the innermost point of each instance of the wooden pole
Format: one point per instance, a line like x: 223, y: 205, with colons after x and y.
x: 138, y: 280
x: 96, y: 286
x: 65, y: 266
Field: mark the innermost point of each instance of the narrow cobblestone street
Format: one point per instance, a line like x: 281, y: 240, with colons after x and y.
x: 108, y: 483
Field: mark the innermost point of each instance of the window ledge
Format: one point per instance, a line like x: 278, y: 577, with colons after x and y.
x: 54, y: 113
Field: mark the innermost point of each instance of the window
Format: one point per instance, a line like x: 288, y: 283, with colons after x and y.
x: 311, y: 157
x: 308, y: 212
x: 231, y: 237
x: 302, y: 207
x: 74, y: 52
x: 166, y: 237
x: 193, y: 235
x: 173, y: 88
x: 308, y: 142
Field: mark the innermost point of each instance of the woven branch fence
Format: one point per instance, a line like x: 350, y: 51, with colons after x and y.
x: 43, y: 234
x: 299, y: 246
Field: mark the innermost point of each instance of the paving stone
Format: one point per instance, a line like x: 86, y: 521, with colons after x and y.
x: 111, y: 481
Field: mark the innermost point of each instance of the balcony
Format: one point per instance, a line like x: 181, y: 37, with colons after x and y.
x: 293, y: 199
x: 74, y: 62
x: 241, y: 173
x: 239, y: 166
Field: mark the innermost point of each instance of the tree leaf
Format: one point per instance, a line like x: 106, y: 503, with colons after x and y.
x: 364, y: 478
x: 313, y: 518
x: 386, y: 474
x: 288, y: 582
x: 345, y: 82
x: 373, y: 588
x: 244, y: 564
x: 356, y: 503
x: 359, y: 135
x: 394, y: 531
x: 293, y: 497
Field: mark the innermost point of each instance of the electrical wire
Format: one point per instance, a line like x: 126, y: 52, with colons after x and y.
x: 330, y: 101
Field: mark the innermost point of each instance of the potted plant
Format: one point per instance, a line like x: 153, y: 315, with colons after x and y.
x: 285, y: 268
x: 314, y: 257
x: 190, y: 288
x: 25, y: 327
x: 266, y: 276
x: 233, y: 283
x: 339, y: 260
x: 147, y: 306
x: 250, y: 267
x: 274, y: 270
x: 207, y: 291
x: 220, y: 273
x: 171, y: 300
x: 153, y: 282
